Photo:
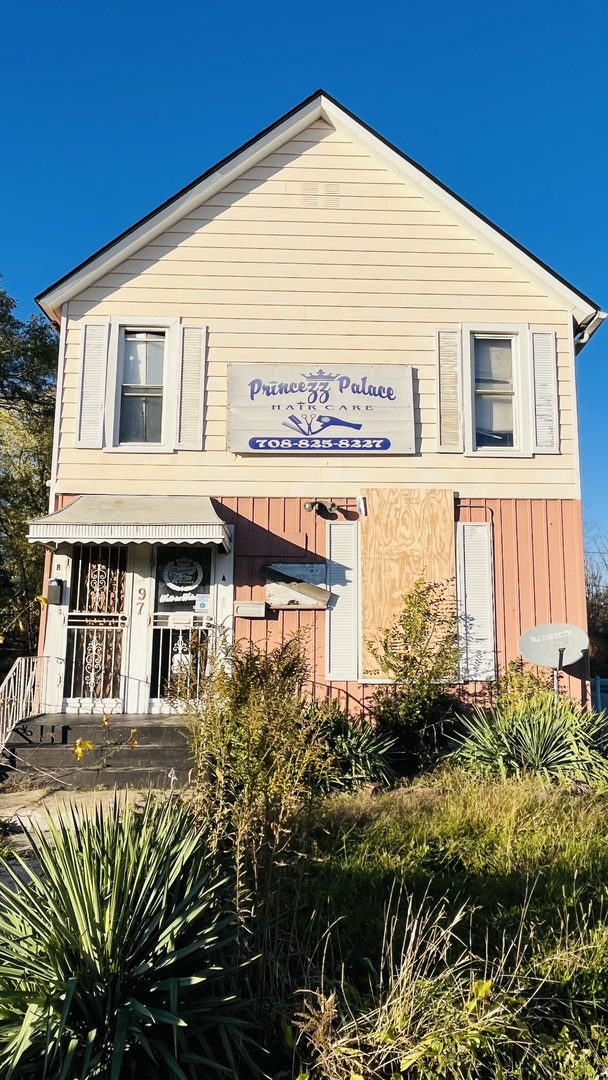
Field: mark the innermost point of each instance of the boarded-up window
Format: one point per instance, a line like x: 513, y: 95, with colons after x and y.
x: 343, y: 610
x: 475, y: 584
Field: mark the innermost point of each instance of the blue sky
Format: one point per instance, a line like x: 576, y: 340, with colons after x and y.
x: 109, y: 108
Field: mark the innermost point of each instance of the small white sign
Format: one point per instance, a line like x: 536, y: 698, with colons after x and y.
x: 202, y: 602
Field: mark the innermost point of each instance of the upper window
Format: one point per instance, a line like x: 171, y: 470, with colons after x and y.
x: 496, y: 397
x: 494, y: 391
x: 141, y: 385
x: 141, y: 396
x: 497, y: 390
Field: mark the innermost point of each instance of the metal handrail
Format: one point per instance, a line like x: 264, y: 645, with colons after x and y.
x: 21, y: 695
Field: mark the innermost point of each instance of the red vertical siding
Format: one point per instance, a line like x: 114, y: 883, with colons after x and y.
x: 281, y: 529
x: 538, y: 566
x: 538, y: 570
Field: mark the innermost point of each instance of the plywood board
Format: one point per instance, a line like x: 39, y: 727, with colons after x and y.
x: 407, y: 533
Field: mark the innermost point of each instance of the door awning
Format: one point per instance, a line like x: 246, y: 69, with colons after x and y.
x: 133, y: 519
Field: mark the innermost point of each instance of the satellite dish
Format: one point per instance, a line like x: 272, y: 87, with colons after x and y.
x: 553, y: 645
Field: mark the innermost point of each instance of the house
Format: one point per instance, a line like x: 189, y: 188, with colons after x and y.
x: 309, y: 377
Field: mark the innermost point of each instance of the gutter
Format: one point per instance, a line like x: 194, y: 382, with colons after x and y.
x: 586, y: 331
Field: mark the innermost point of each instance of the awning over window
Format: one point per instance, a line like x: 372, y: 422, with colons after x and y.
x: 133, y: 519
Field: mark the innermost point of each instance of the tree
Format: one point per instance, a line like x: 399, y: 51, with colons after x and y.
x: 596, y: 582
x: 28, y: 360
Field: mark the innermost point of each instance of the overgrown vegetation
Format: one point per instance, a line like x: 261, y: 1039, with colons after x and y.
x: 116, y: 955
x: 555, y: 739
x: 266, y: 755
x: 419, y: 654
x: 452, y: 927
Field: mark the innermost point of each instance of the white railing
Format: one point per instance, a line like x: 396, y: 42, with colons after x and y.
x: 21, y: 694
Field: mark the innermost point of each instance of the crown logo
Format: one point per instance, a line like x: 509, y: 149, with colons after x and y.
x: 321, y: 376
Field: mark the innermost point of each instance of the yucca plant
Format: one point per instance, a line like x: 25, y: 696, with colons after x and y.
x: 115, y: 954
x: 356, y: 752
x: 558, y: 740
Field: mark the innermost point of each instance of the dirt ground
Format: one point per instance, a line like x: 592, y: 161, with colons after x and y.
x: 34, y: 806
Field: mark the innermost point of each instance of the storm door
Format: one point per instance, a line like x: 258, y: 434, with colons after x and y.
x: 180, y: 624
x: 96, y: 629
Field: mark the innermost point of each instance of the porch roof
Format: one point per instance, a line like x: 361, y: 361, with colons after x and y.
x: 133, y: 519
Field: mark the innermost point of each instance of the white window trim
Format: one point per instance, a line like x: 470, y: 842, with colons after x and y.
x: 118, y: 324
x: 522, y: 390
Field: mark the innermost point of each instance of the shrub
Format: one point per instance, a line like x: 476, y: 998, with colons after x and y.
x: 558, y: 740
x: 518, y: 683
x: 257, y: 747
x: 419, y: 653
x: 115, y: 955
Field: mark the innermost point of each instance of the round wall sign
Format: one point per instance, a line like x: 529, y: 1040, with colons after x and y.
x: 542, y: 644
x: 183, y: 575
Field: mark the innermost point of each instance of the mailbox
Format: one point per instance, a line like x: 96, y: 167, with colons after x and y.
x: 54, y: 592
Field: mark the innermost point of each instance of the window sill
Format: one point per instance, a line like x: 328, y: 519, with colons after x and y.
x: 139, y: 448
x: 510, y: 453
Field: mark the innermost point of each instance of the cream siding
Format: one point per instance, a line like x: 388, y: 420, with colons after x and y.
x: 318, y: 254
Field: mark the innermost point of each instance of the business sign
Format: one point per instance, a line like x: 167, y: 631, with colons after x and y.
x: 182, y: 575
x: 338, y: 408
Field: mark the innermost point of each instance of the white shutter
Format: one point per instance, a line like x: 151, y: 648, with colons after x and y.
x: 191, y: 400
x: 449, y: 418
x: 546, y: 414
x: 476, y: 602
x: 343, y: 610
x: 89, y: 427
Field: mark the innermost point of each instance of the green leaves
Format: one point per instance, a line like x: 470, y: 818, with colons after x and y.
x: 419, y: 655
x: 558, y: 740
x: 118, y: 949
x: 28, y: 361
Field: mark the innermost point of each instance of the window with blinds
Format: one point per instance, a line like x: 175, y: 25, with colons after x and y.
x: 494, y: 391
x: 141, y: 398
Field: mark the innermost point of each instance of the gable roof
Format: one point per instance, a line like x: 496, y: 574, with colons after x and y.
x: 321, y: 106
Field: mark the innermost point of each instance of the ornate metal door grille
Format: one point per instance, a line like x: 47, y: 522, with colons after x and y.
x: 96, y: 622
x: 179, y: 656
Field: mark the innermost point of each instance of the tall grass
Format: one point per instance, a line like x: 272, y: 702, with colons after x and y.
x: 497, y: 964
x: 438, y: 1009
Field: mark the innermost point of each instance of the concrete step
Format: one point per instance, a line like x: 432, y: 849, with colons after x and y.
x: 45, y: 756
x: 87, y: 778
x: 154, y: 733
x: 47, y: 750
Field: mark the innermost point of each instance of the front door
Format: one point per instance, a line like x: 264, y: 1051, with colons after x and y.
x: 182, y: 614
x: 97, y: 623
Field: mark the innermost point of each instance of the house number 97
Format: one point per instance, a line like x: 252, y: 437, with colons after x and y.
x: 141, y: 596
